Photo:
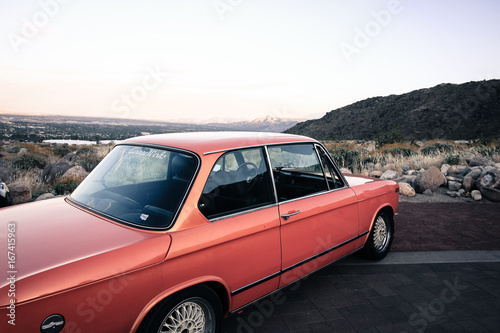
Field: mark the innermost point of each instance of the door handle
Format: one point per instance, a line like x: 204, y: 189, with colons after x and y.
x: 287, y: 216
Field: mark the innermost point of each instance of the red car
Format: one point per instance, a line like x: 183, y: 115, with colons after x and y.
x: 171, y: 233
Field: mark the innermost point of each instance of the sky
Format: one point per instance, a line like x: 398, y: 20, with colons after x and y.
x: 206, y: 60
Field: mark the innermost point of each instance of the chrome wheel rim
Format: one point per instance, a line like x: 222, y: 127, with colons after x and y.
x: 190, y: 316
x: 380, y: 234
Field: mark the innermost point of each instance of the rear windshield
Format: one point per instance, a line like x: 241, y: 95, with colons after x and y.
x: 143, y: 186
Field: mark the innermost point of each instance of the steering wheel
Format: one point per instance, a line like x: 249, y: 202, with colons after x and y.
x: 130, y: 203
x: 248, y: 171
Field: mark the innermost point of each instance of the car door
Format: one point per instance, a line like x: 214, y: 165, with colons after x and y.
x: 238, y: 198
x: 319, y: 216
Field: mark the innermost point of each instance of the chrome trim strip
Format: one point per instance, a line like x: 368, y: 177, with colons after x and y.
x: 253, y: 284
x: 258, y: 145
x: 243, y: 212
x: 323, y: 253
x: 275, y: 291
x: 267, y: 278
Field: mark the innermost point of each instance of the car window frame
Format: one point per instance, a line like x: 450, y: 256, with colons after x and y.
x: 181, y: 203
x: 265, y: 160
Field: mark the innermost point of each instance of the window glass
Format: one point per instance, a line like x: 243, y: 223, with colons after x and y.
x: 334, y: 181
x: 140, y: 185
x: 239, y: 181
x: 297, y: 171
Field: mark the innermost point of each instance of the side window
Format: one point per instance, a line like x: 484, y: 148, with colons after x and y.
x: 297, y: 171
x: 240, y: 180
x: 334, y: 181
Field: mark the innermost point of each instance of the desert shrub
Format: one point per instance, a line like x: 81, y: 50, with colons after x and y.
x: 452, y: 159
x: 29, y: 162
x: 400, y: 151
x: 14, y: 149
x: 66, y: 185
x: 344, y: 157
x: 437, y: 148
x: 383, y: 138
x: 486, y: 151
x: 61, y: 150
x: 87, y: 158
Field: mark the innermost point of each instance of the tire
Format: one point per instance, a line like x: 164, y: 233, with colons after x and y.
x: 379, y: 241
x: 194, y: 310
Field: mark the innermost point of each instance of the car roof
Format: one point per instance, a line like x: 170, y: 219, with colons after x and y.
x: 204, y: 143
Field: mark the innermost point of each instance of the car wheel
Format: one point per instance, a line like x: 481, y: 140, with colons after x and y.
x: 195, y: 310
x: 379, y: 242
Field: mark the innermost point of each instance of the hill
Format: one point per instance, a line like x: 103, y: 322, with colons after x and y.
x: 448, y: 111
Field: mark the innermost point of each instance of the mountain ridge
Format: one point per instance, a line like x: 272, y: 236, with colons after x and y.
x: 445, y: 111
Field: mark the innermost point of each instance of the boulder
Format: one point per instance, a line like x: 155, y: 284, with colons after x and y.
x: 475, y: 172
x: 453, y: 194
x: 454, y: 185
x: 375, y: 174
x: 468, y: 183
x: 76, y: 172
x: 389, y: 174
x: 20, y: 192
x: 430, y: 179
x: 456, y: 169
x: 54, y: 170
x: 476, y: 195
x: 489, y: 184
x: 444, y: 168
x: 45, y: 196
x: 481, y: 161
x: 428, y: 192
x: 22, y: 151
x: 69, y: 157
x: 406, y: 190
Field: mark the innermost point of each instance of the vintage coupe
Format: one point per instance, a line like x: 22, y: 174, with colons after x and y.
x: 170, y: 233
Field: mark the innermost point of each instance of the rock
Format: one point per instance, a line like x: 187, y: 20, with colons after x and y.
x: 5, y: 173
x: 405, y: 167
x: 497, y: 165
x: 5, y: 196
x: 345, y: 170
x: 389, y: 174
x: 475, y: 173
x: 69, y: 157
x: 444, y: 168
x: 406, y: 190
x: 20, y: 192
x: 454, y: 185
x: 456, y: 169
x: 468, y: 183
x: 476, y: 195
x: 461, y: 192
x: 453, y: 194
x: 54, y: 170
x: 428, y: 192
x: 489, y: 184
x: 369, y: 166
x: 76, y: 172
x: 410, y: 172
x: 22, y: 151
x: 430, y: 179
x: 410, y: 179
x: 375, y: 174
x: 45, y: 196
x: 365, y: 173
x: 481, y: 161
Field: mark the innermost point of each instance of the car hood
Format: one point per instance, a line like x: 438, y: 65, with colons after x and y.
x: 59, y: 246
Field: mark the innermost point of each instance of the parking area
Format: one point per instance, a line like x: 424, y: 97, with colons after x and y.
x: 406, y: 292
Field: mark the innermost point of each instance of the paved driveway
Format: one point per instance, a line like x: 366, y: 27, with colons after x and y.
x: 407, y: 292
